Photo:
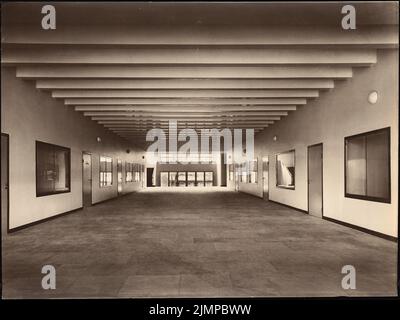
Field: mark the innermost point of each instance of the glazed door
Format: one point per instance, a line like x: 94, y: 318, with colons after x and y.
x: 265, y: 165
x: 315, y: 180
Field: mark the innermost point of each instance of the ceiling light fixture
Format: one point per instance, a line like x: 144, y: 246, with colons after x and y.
x: 373, y: 97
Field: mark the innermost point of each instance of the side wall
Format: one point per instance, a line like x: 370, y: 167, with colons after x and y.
x: 254, y: 188
x: 29, y: 115
x: 336, y: 114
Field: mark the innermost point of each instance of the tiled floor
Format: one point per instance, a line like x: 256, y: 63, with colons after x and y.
x: 175, y: 244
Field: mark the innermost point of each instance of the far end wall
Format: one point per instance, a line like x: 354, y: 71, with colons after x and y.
x: 161, y: 167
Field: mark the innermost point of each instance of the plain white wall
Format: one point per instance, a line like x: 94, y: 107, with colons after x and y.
x: 336, y: 114
x: 29, y: 115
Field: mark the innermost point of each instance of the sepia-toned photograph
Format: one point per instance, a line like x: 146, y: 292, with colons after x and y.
x: 199, y: 150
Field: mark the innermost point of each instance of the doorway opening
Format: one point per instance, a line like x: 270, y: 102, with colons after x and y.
x: 86, y: 179
x: 223, y: 170
x: 5, y: 198
x: 149, y: 177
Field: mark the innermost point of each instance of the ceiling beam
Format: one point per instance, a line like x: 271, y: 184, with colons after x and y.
x: 260, y: 118
x: 144, y: 131
x: 139, y: 136
x: 184, y: 84
x: 184, y: 101
x: 223, y: 108
x: 373, y: 36
x: 141, y: 127
x: 184, y: 114
x: 306, y: 93
x: 144, y: 135
x: 180, y: 122
x: 174, y: 72
x: 197, y: 129
x: 201, y: 125
x: 206, y: 125
x: 186, y: 56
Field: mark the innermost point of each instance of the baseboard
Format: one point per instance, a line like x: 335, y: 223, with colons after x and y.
x: 290, y: 207
x: 12, y: 230
x: 371, y: 232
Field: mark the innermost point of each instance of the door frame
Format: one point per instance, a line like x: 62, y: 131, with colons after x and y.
x: 8, y: 180
x: 322, y: 177
x: 147, y: 177
x: 91, y: 177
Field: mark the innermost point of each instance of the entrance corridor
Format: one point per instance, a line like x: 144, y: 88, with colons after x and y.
x: 163, y: 243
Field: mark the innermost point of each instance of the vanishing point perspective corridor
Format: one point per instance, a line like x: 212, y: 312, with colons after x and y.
x: 199, y: 150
